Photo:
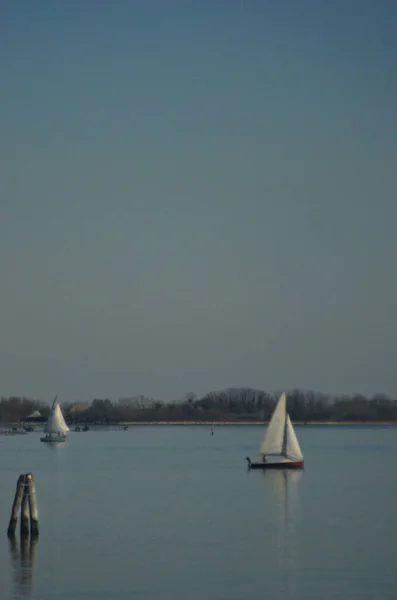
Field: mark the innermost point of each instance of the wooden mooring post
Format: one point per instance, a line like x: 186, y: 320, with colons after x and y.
x: 16, y: 505
x: 25, y: 521
x: 25, y: 501
x: 33, y: 512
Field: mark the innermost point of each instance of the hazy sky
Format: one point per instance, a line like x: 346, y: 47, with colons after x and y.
x: 196, y: 195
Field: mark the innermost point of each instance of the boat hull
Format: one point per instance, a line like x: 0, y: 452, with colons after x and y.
x: 47, y: 440
x: 285, y: 464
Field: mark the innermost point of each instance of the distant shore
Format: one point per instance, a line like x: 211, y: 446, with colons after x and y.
x: 232, y: 407
x: 16, y: 428
x: 256, y: 423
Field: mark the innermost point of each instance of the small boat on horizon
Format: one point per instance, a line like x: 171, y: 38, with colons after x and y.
x: 280, y: 448
x: 55, y: 429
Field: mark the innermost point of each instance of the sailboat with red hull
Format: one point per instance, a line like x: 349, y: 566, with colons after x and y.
x: 280, y: 448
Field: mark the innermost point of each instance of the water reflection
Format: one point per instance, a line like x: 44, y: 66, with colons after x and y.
x: 23, y: 561
x: 283, y: 492
x: 284, y: 484
x: 55, y: 447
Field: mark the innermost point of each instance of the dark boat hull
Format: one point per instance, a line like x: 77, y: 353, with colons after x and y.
x: 276, y: 465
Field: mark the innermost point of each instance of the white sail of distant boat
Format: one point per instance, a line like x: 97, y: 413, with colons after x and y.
x: 292, y: 447
x: 280, y: 438
x: 56, y: 427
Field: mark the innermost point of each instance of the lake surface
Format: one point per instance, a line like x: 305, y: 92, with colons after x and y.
x: 169, y: 512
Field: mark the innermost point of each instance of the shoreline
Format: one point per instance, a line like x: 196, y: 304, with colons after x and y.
x: 255, y: 423
x: 7, y: 429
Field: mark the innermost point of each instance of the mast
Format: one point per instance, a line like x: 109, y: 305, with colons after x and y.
x: 285, y: 435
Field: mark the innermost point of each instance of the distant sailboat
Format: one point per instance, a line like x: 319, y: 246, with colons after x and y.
x: 55, y: 428
x: 280, y: 443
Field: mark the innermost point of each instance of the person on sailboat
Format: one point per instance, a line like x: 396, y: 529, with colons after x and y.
x: 264, y: 458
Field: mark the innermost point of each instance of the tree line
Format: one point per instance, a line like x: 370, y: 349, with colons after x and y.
x: 235, y: 404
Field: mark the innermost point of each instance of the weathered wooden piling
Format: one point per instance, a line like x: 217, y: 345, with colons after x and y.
x: 34, y: 516
x: 25, y: 512
x: 16, y: 505
x: 25, y: 501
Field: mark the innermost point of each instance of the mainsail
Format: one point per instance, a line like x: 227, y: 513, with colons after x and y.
x: 56, y: 422
x: 280, y: 437
x: 273, y: 441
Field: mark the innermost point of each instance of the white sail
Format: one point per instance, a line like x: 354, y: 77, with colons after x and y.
x: 56, y: 423
x: 293, y: 450
x: 273, y: 441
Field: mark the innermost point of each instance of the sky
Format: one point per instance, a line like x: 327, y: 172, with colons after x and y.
x: 197, y: 195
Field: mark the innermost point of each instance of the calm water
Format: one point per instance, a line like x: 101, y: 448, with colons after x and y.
x: 172, y: 513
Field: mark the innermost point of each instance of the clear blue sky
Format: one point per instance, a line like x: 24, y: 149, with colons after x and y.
x: 197, y: 194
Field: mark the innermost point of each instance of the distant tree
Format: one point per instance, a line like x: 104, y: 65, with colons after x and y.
x: 231, y: 404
